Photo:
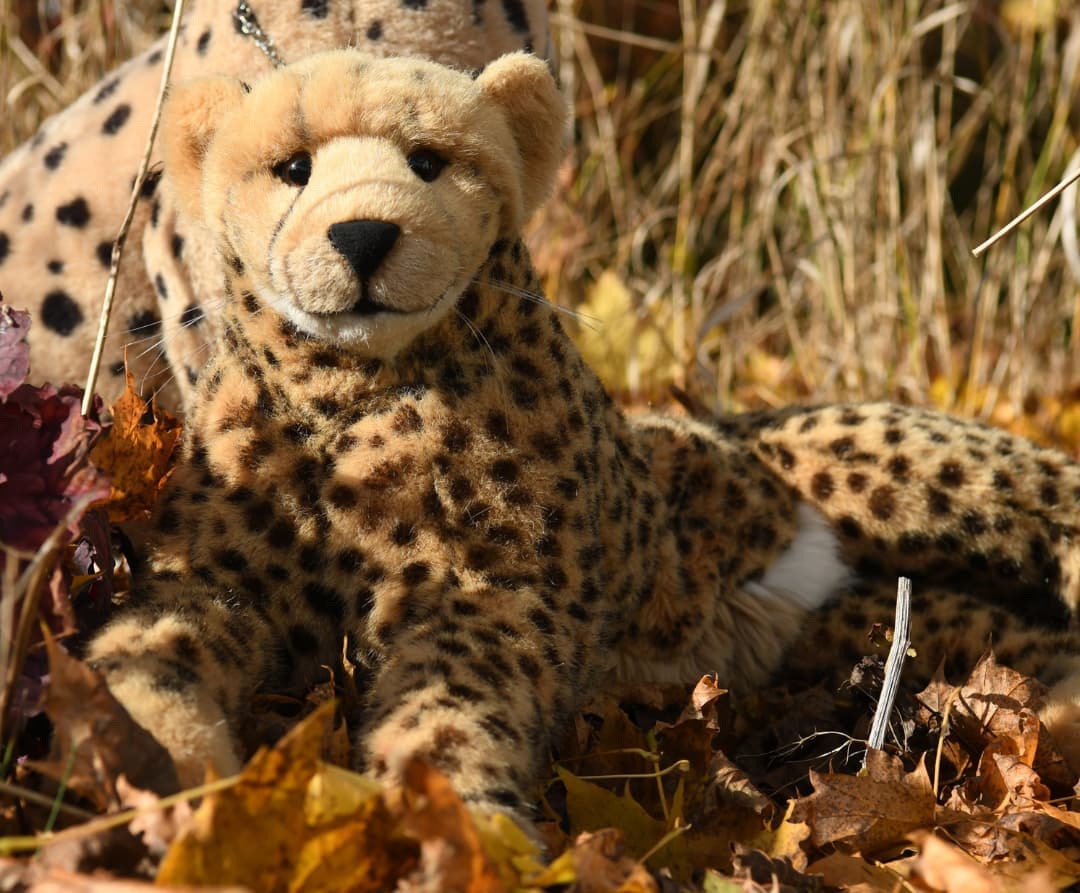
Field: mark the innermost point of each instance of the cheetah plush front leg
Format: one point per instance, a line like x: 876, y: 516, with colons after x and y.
x: 464, y: 690
x: 181, y: 670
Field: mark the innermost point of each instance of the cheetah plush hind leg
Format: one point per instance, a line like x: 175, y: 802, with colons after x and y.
x: 950, y: 502
x: 921, y: 493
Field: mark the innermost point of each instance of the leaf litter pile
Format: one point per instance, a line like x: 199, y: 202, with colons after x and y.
x: 657, y: 788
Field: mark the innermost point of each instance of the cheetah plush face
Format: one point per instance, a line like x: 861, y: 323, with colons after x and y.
x: 362, y: 196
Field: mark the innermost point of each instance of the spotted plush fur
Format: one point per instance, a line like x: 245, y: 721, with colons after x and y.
x: 63, y: 193
x: 397, y: 444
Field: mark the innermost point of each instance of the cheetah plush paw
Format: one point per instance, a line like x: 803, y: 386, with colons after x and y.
x: 1061, y: 718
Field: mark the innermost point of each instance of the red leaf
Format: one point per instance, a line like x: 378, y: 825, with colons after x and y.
x: 14, y: 351
x: 44, y: 470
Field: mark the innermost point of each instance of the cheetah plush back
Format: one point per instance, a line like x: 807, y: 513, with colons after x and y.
x: 63, y: 193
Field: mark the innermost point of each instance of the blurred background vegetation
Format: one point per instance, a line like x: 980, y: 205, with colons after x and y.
x: 772, y: 201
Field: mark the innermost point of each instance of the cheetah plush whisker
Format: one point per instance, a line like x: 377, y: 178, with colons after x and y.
x: 589, y: 322
x: 475, y: 513
x: 478, y: 335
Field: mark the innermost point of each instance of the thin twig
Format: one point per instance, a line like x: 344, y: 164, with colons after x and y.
x: 894, y: 664
x: 12, y: 845
x: 943, y: 734
x: 121, y: 236
x: 1025, y: 214
x: 26, y: 591
x: 18, y: 791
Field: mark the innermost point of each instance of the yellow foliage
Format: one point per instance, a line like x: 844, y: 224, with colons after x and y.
x: 629, y: 347
x: 292, y: 823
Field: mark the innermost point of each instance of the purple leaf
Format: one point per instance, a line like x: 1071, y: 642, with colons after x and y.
x: 44, y: 442
x: 14, y: 351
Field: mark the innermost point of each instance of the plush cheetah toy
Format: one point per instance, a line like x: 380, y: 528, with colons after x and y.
x: 64, y: 193
x: 396, y: 442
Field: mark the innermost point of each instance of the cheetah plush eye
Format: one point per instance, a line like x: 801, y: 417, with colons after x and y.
x: 426, y: 164
x: 295, y: 171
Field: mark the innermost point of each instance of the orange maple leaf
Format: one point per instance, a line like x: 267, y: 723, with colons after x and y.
x: 137, y: 454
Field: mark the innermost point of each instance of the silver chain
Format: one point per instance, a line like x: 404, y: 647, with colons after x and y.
x: 247, y: 23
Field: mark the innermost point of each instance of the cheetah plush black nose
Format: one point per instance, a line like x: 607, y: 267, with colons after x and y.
x: 364, y: 243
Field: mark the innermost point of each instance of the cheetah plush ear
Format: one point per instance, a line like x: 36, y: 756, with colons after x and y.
x: 189, y: 120
x: 524, y: 87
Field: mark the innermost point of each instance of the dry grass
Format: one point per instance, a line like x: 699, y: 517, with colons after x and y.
x: 789, y: 191
x: 52, y: 50
x: 807, y: 180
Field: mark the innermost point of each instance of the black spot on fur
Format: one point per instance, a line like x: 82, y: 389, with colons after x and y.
x: 843, y: 447
x: 55, y: 156
x: 317, y: 9
x: 302, y: 640
x: 27, y: 212
x: 849, y: 527
x: 374, y: 30
x: 455, y: 437
x: 192, y: 315
x: 5, y: 246
x: 203, y: 43
x: 144, y: 323
x: 60, y: 313
x: 416, y: 573
x: 231, y: 560
x: 951, y: 474
x: 75, y: 213
x: 117, y: 119
x: 515, y: 15
x: 53, y: 266
x: 938, y: 502
x: 403, y: 534
x: 150, y: 184
x: 107, y: 89
x: 822, y: 486
x: 324, y: 600
x: 104, y: 254
x: 882, y: 502
x: 899, y: 467
x: 281, y: 534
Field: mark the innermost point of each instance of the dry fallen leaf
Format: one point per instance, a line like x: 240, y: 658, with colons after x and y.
x: 137, y: 454
x: 284, y: 825
x: 596, y: 863
x: 996, y: 702
x: 32, y: 877
x: 868, y: 812
x: 592, y: 808
x: 772, y: 873
x: 94, y: 736
x: 946, y: 868
x: 853, y: 874
x: 451, y: 855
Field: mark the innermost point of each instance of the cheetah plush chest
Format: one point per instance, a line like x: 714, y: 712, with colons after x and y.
x: 355, y: 473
